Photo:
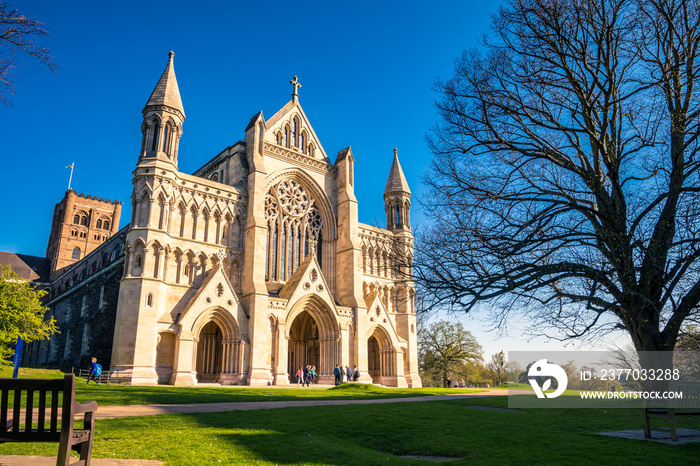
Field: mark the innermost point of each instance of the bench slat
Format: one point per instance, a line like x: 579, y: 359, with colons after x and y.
x: 17, y: 410
x: 42, y: 410
x: 29, y: 410
x: 54, y: 411
x: 3, y: 408
x: 31, y: 384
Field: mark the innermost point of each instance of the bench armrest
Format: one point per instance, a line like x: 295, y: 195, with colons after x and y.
x: 87, y: 407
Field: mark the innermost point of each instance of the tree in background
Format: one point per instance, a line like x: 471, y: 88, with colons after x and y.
x: 21, y: 312
x: 446, y: 349
x: 18, y: 37
x: 566, y: 176
x: 498, y: 367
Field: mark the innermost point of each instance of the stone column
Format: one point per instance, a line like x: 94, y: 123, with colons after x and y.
x: 281, y: 375
x: 184, y: 372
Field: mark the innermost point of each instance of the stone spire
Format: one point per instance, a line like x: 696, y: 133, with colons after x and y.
x: 163, y: 117
x: 166, y: 92
x: 397, y: 181
x: 397, y: 198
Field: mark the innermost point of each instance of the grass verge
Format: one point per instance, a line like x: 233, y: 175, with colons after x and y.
x: 380, y: 434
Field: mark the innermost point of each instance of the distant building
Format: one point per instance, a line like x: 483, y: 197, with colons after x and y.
x: 239, y: 273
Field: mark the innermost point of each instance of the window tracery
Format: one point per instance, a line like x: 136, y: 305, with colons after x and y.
x: 293, y: 228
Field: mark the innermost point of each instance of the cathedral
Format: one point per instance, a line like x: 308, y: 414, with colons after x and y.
x: 239, y: 273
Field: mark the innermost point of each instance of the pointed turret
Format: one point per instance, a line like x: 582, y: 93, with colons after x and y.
x: 397, y: 181
x: 166, y: 91
x: 397, y: 198
x: 163, y: 116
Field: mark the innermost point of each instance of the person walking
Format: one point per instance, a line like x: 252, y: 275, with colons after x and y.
x: 299, y: 375
x: 313, y: 374
x: 307, y: 375
x: 95, y: 371
x: 348, y: 372
x: 355, y: 373
x: 338, y: 375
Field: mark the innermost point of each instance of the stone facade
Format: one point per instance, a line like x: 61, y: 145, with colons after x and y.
x: 83, y: 300
x: 252, y: 266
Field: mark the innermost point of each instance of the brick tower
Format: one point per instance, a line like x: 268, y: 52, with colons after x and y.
x: 80, y: 224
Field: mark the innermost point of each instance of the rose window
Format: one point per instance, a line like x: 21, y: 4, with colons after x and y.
x: 294, y: 229
x: 293, y: 198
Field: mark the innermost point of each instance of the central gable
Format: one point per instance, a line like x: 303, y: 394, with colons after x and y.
x: 290, y: 128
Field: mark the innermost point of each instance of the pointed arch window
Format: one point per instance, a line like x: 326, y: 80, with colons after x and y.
x: 295, y: 132
x: 156, y: 134
x: 294, y: 228
x: 167, y: 132
x: 76, y: 253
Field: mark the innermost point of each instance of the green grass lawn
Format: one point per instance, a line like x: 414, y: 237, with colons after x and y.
x: 379, y: 434
x: 107, y: 395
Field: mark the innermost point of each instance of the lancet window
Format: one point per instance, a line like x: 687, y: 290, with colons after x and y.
x: 293, y: 228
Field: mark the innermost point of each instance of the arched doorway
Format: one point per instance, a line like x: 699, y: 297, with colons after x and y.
x: 304, y: 345
x: 381, y: 364
x: 373, y: 361
x: 209, y: 353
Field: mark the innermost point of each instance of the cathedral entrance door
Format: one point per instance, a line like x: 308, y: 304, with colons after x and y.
x: 209, y: 354
x: 373, y: 360
x: 304, y: 348
x: 381, y: 364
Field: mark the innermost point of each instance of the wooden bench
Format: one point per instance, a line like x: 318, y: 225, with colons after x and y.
x: 689, y: 405
x: 36, y: 420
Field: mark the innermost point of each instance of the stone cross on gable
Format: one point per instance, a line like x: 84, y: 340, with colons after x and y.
x: 295, y: 83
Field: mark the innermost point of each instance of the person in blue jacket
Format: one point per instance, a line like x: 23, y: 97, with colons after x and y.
x: 95, y: 371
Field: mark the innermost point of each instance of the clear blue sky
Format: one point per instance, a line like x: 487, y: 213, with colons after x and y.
x: 366, y: 68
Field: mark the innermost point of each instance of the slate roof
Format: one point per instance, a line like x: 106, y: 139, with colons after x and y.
x: 28, y: 267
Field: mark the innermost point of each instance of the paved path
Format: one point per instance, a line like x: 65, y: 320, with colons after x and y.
x: 108, y: 412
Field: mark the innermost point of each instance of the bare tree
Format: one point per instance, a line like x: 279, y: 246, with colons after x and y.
x: 19, y: 36
x: 565, y: 179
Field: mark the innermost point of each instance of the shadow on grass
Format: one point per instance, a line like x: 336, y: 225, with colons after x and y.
x: 378, y: 434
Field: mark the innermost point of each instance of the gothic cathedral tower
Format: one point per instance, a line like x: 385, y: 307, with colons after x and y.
x: 142, y: 290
